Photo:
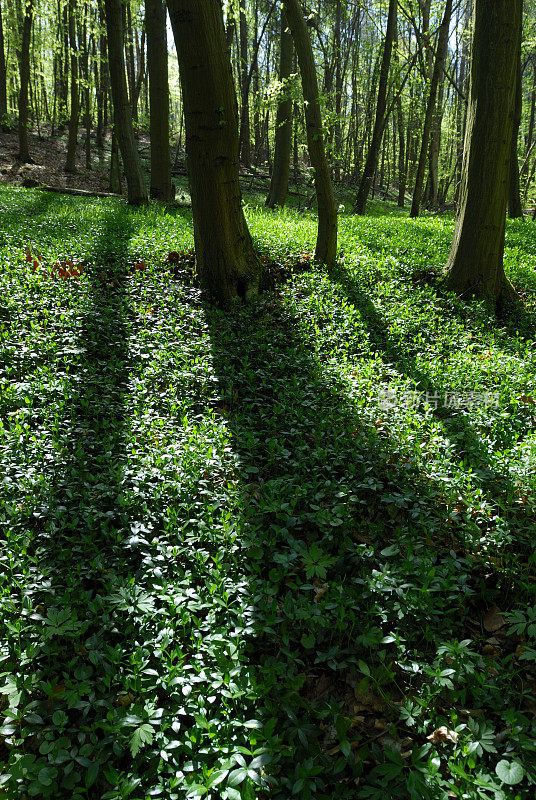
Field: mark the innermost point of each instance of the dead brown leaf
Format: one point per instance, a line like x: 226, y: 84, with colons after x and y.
x: 443, y: 734
x: 493, y: 620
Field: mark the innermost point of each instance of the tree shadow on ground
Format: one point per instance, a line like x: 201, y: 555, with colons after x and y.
x: 497, y: 486
x: 80, y: 522
x: 343, y: 539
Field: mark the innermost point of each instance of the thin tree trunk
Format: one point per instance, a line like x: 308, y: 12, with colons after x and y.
x: 326, y: 242
x: 131, y: 71
x: 24, y: 153
x: 157, y: 61
x: 245, y: 132
x: 99, y: 67
x: 515, y: 209
x: 70, y: 163
x: 87, y: 93
x: 379, y: 121
x: 115, y: 167
x: 283, y: 124
x: 3, y: 76
x: 136, y: 188
x: 431, y: 108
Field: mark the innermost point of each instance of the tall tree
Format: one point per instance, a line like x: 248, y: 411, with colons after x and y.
x: 3, y: 77
x: 381, y: 105
x: 157, y: 62
x: 136, y: 188
x: 283, y: 123
x: 326, y: 241
x: 24, y: 65
x: 515, y: 209
x: 245, y: 133
x: 475, y: 265
x: 227, y: 264
x: 431, y: 107
x: 70, y: 163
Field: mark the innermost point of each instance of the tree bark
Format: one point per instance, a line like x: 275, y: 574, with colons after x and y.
x: 227, y: 264
x: 475, y: 265
x: 431, y: 108
x: 157, y: 62
x: 326, y: 242
x: 283, y: 124
x: 379, y: 121
x: 136, y: 188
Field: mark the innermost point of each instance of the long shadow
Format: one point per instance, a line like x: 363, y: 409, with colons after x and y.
x: 80, y: 522
x: 337, y: 540
x: 497, y: 486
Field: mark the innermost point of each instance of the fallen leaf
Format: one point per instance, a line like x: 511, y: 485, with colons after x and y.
x: 443, y: 734
x: 493, y: 620
x: 124, y: 700
x: 489, y: 650
x: 320, y: 593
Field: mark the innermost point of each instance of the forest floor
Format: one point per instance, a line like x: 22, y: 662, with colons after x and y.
x: 48, y: 156
x: 283, y: 551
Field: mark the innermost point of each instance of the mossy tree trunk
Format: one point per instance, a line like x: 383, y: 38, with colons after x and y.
x: 283, y: 124
x: 326, y: 242
x: 227, y: 264
x: 136, y: 188
x: 157, y: 63
x: 475, y: 265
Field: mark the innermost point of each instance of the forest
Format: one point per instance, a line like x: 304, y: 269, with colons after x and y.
x: 267, y: 399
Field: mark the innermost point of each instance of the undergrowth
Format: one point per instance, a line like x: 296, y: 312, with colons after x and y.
x: 283, y: 551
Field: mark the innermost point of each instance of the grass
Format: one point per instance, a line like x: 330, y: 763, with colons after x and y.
x: 286, y: 551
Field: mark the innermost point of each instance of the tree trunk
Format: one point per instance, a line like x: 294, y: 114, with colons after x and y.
x: 337, y: 128
x: 131, y: 70
x: 115, y: 167
x: 530, y: 132
x: 515, y: 209
x: 87, y: 85
x: 3, y: 76
x: 379, y: 122
x: 227, y: 265
x: 157, y: 62
x: 326, y: 242
x: 245, y: 132
x: 70, y: 163
x: 431, y: 108
x: 283, y: 123
x: 24, y: 153
x: 475, y: 265
x: 136, y: 188
x: 62, y: 56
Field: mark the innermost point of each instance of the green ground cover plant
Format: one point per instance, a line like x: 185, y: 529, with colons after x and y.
x: 285, y: 550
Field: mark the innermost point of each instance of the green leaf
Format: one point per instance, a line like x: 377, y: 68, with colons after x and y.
x: 510, y: 772
x: 237, y: 776
x: 142, y: 735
